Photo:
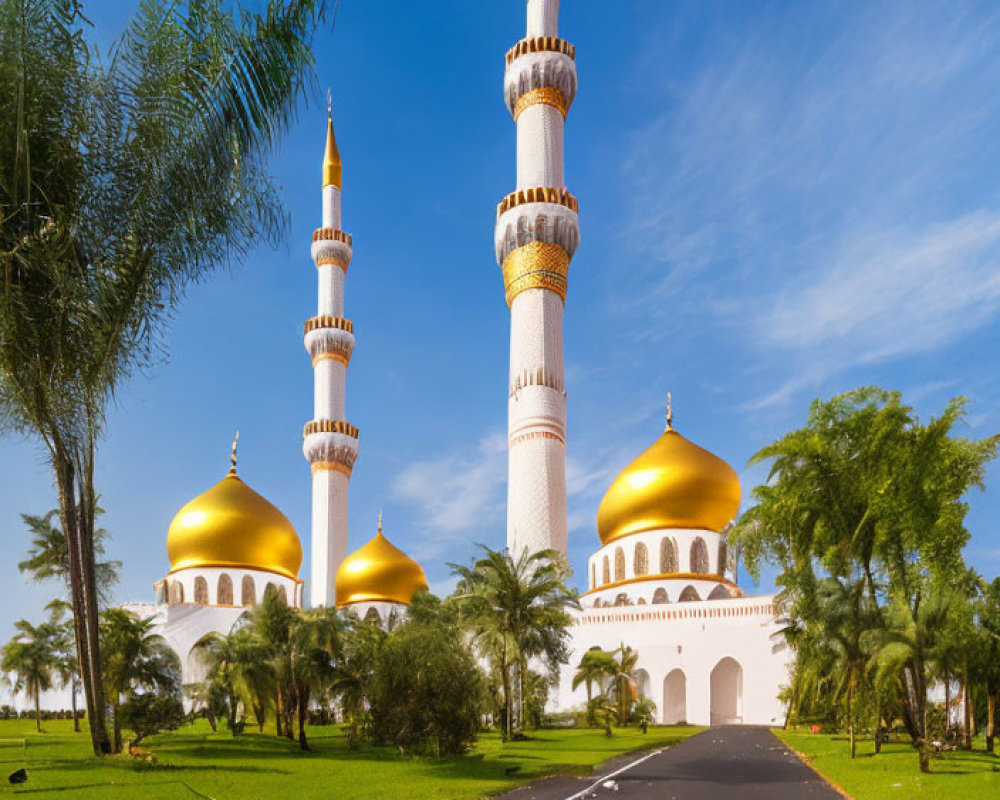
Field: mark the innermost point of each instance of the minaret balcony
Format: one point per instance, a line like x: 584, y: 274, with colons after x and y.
x: 329, y: 337
x: 332, y: 246
x: 330, y: 444
x: 537, y: 68
x: 536, y: 215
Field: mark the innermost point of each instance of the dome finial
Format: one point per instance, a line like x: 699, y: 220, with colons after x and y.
x: 670, y: 412
x: 232, y: 457
x: 380, y: 522
x: 331, y: 159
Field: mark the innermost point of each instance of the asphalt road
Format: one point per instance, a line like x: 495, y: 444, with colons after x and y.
x: 731, y: 762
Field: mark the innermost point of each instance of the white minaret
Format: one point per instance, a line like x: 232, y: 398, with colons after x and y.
x: 330, y: 443
x: 536, y: 235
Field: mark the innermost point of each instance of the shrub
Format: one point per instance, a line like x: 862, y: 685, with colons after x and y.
x: 146, y: 714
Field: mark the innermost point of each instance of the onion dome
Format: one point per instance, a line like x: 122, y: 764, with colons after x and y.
x: 378, y: 572
x: 231, y: 525
x: 674, y: 484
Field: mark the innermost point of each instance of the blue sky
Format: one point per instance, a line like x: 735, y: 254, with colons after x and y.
x: 778, y: 201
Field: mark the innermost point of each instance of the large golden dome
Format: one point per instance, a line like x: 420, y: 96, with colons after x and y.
x: 231, y: 525
x: 378, y: 572
x: 674, y: 484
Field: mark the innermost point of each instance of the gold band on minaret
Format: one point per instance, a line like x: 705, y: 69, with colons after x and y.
x: 549, y: 95
x: 536, y: 265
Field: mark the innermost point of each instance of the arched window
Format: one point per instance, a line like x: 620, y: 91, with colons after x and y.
x: 598, y: 603
x: 283, y: 595
x: 688, y: 595
x: 668, y: 556
x: 373, y: 617
x: 270, y: 589
x: 248, y: 592
x: 605, y: 571
x: 642, y: 601
x: 593, y: 576
x: 660, y: 596
x: 224, y: 593
x: 720, y: 592
x: 699, y: 556
x: 200, y: 591
x: 176, y: 593
x: 619, y: 564
x: 723, y: 557
x: 640, y: 564
x: 621, y: 599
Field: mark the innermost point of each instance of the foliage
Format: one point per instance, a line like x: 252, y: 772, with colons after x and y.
x: 427, y: 689
x: 146, y: 714
x: 123, y: 181
x: 863, y: 513
x: 515, y: 611
x: 30, y: 660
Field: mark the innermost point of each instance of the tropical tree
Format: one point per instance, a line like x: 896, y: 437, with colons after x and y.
x: 354, y: 677
x: 623, y: 690
x: 48, y: 555
x: 67, y: 668
x: 516, y: 609
x: 224, y: 656
x: 30, y: 660
x: 988, y: 663
x: 595, y: 669
x: 314, y: 643
x: 135, y: 659
x: 122, y: 181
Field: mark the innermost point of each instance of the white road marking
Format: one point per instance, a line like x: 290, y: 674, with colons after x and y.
x: 608, y: 777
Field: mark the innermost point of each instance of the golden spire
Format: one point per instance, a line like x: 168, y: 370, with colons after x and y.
x: 670, y: 412
x: 331, y: 159
x: 232, y: 457
x: 380, y: 522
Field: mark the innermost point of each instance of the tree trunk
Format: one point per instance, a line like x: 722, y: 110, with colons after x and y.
x: 991, y: 712
x: 303, y: 702
x: 878, y: 724
x: 117, y: 717
x: 72, y: 702
x: 38, y: 710
x: 211, y: 717
x: 967, y: 722
x: 947, y: 704
x: 277, y: 711
x: 508, y: 714
x: 92, y: 689
x: 850, y: 721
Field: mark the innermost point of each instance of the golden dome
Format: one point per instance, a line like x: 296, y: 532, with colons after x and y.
x: 231, y: 525
x: 378, y: 572
x: 674, y: 484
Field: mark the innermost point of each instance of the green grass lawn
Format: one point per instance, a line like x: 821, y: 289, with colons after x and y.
x: 193, y: 762
x: 957, y: 775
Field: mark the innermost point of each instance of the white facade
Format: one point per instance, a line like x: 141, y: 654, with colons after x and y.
x: 536, y: 235
x: 330, y: 443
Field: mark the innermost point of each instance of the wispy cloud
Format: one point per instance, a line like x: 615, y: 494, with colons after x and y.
x: 818, y: 195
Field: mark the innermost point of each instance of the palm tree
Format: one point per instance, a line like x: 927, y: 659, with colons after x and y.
x: 224, y: 656
x: 122, y: 181
x: 623, y: 685
x: 596, y: 667
x: 516, y: 610
x: 353, y: 675
x: 135, y: 657
x: 314, y: 641
x: 31, y: 657
x: 67, y: 667
x: 48, y: 555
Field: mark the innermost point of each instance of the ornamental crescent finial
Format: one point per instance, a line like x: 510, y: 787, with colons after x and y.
x: 232, y: 457
x: 670, y: 412
x: 380, y: 522
x: 329, y: 103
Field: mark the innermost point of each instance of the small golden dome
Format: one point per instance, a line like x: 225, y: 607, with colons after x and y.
x: 231, y: 525
x: 674, y: 484
x: 378, y: 572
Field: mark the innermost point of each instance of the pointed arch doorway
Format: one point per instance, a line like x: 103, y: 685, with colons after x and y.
x: 727, y: 692
x: 675, y: 697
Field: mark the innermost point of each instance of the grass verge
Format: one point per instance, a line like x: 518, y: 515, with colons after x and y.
x: 193, y: 762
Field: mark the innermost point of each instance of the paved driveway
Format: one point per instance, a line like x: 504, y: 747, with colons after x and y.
x: 730, y: 762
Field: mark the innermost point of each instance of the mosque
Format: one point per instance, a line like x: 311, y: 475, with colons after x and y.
x: 659, y: 582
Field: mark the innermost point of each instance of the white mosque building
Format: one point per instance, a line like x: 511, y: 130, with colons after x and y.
x: 659, y: 581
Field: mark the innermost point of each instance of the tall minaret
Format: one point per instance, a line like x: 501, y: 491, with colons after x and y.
x: 536, y: 235
x: 330, y: 443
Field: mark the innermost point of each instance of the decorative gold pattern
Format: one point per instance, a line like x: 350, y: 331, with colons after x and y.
x: 674, y: 484
x: 330, y: 356
x: 540, y: 44
x: 330, y: 465
x: 537, y: 194
x: 549, y: 95
x: 536, y: 265
x: 328, y: 234
x: 327, y: 321
x: 330, y: 426
x: 331, y: 158
x: 231, y: 525
x: 665, y: 576
x: 378, y: 572
x: 524, y: 437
